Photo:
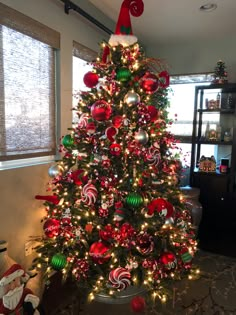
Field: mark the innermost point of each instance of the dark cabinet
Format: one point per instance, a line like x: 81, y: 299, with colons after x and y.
x: 213, y: 154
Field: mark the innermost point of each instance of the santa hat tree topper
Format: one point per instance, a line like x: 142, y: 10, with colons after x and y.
x: 123, y: 33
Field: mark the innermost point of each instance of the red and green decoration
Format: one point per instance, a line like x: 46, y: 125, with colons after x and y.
x: 115, y: 218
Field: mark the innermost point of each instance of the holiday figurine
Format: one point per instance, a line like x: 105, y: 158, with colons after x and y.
x: 15, y: 298
x: 220, y: 74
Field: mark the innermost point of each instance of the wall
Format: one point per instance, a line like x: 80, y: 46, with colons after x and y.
x: 20, y: 213
x: 197, y: 57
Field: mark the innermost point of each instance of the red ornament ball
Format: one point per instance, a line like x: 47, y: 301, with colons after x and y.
x: 91, y: 128
x: 101, y: 110
x: 99, y: 252
x: 149, y: 83
x: 107, y: 233
x: 153, y: 112
x: 138, y: 304
x: 90, y: 79
x: 117, y: 121
x: 168, y: 260
x: 78, y: 177
x: 115, y: 149
x: 51, y: 227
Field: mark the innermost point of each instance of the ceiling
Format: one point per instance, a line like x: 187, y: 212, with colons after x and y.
x: 175, y: 21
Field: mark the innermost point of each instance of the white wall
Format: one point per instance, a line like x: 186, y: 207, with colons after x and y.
x: 20, y: 213
x: 198, y: 57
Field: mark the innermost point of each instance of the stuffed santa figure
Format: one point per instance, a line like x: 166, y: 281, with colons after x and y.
x: 15, y: 298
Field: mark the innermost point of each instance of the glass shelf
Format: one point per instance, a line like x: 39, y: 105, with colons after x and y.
x: 215, y: 142
x: 217, y: 111
x: 215, y: 173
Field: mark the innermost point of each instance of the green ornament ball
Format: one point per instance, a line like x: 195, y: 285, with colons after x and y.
x: 67, y: 141
x: 134, y: 200
x: 123, y: 74
x: 58, y: 261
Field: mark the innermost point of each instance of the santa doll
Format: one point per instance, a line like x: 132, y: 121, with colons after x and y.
x: 15, y: 298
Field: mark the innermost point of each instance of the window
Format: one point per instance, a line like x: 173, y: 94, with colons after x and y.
x: 27, y: 87
x: 81, y: 58
x: 181, y: 97
x: 181, y: 110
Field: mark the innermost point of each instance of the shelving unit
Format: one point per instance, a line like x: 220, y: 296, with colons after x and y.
x: 214, y: 130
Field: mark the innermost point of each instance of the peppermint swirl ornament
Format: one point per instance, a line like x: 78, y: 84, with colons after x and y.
x: 119, y: 278
x: 89, y: 194
x: 83, y: 121
x: 153, y: 156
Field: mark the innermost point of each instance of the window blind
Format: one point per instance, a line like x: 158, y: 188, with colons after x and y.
x: 27, y: 86
x: 82, y: 52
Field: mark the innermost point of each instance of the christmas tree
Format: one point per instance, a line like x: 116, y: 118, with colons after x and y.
x: 116, y: 217
x: 220, y: 74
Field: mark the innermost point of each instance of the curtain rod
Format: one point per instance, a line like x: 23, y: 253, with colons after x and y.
x: 69, y: 5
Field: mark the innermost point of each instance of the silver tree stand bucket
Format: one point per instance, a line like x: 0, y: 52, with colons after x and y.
x: 121, y: 297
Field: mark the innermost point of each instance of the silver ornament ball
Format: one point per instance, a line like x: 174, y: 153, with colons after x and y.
x: 55, y: 170
x: 131, y: 98
x: 141, y: 136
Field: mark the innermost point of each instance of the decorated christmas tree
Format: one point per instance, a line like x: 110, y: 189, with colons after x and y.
x: 116, y: 218
x: 220, y: 73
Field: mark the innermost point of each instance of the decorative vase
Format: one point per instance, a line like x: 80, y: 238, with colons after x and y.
x: 121, y: 297
x: 191, y: 195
